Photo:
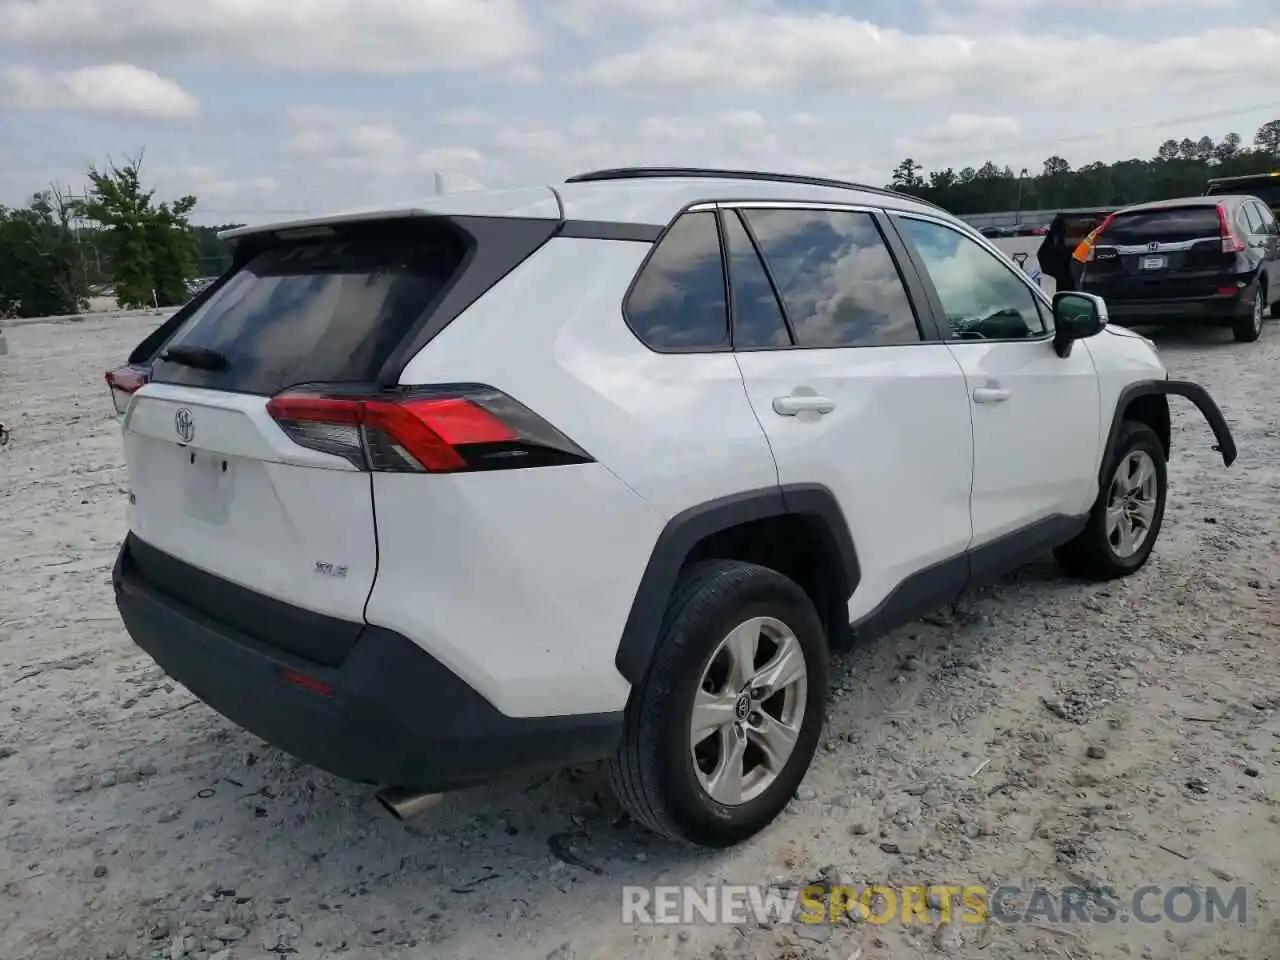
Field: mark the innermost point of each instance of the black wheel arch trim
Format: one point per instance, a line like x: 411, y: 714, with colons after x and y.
x: 686, y: 529
x: 1197, y: 394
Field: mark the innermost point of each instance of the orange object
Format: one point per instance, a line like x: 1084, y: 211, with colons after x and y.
x: 1084, y: 251
x: 1083, y: 248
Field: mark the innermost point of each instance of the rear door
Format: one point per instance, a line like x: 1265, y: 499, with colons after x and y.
x: 853, y: 387
x: 1163, y: 253
x: 214, y: 481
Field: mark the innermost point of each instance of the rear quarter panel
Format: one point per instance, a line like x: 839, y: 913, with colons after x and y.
x: 676, y: 428
x: 521, y: 581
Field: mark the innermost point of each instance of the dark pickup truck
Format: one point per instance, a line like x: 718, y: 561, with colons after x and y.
x: 1264, y: 186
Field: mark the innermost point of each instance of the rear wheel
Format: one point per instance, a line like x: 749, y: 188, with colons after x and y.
x: 722, y: 730
x: 1247, y: 329
x: 1125, y: 520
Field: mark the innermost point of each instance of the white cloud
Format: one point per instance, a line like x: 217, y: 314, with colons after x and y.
x: 505, y: 92
x: 595, y: 16
x: 1131, y: 6
x: 449, y: 158
x: 209, y: 184
x: 769, y: 53
x: 370, y: 159
x: 355, y: 36
x: 960, y: 131
x: 109, y: 88
x: 962, y: 126
x: 466, y: 117
x: 342, y: 135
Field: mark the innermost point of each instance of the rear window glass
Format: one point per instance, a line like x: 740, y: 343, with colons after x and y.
x: 1077, y: 228
x: 324, y: 310
x: 1171, y: 225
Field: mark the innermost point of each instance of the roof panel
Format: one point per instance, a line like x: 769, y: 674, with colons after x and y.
x: 645, y: 201
x: 657, y: 200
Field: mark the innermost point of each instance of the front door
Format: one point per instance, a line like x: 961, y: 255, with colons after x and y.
x: 1036, y: 415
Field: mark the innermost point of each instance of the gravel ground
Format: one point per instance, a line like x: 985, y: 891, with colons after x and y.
x: 1041, y: 731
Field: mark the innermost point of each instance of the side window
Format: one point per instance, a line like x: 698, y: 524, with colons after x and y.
x: 982, y: 298
x: 1260, y: 214
x: 837, y: 279
x: 678, y: 301
x: 1252, y: 220
x: 1268, y: 219
x: 757, y: 316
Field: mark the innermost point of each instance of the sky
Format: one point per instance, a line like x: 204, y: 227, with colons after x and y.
x: 265, y: 110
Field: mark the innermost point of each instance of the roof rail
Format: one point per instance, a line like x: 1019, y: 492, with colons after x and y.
x: 640, y: 173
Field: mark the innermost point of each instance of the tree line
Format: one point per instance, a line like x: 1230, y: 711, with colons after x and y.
x: 1179, y: 168
x: 57, y: 252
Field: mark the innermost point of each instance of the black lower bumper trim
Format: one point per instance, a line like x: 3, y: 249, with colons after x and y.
x: 1159, y: 312
x: 389, y: 714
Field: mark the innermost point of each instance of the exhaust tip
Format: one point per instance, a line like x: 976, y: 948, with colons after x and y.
x: 404, y: 804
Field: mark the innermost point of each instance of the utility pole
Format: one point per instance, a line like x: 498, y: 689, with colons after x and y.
x: 1017, y: 208
x: 72, y: 203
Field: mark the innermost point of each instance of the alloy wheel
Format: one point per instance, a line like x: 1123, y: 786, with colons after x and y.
x: 1131, y: 503
x: 748, y: 710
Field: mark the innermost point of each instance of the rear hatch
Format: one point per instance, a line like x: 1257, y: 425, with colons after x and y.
x: 218, y: 482
x: 1162, y: 253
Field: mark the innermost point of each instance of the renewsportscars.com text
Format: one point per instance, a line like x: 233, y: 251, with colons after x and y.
x: 733, y: 904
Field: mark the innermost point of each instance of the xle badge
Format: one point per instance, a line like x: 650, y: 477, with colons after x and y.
x: 329, y: 570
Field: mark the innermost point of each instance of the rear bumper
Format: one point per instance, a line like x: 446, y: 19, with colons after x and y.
x: 388, y: 714
x: 1180, y: 310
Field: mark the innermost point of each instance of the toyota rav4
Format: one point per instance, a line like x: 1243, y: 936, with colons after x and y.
x: 508, y: 481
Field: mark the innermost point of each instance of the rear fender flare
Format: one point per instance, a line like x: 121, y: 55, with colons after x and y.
x: 687, y: 529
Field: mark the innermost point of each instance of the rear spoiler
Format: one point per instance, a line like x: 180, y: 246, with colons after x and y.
x: 530, y: 203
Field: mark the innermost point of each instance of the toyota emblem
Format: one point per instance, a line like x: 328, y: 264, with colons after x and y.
x: 185, y: 425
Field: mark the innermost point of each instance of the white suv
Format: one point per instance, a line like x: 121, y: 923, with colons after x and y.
x: 515, y: 480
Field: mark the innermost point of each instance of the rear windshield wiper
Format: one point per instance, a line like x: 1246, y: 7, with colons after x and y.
x: 200, y: 358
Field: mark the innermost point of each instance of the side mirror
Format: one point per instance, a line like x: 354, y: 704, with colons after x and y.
x: 1076, y: 316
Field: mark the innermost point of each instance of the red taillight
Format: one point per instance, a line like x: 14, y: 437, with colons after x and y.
x: 1231, y: 242
x: 1094, y: 236
x: 124, y: 383
x: 436, y: 430
x: 310, y: 684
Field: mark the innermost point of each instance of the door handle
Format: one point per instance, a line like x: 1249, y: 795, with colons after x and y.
x: 990, y: 395
x: 799, y: 403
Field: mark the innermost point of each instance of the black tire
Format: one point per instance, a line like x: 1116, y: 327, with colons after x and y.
x: 1091, y: 554
x: 1248, y: 328
x: 653, y: 771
